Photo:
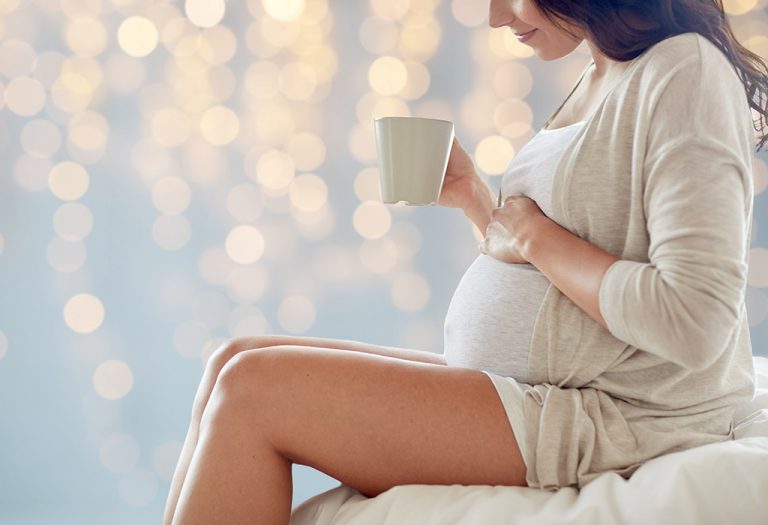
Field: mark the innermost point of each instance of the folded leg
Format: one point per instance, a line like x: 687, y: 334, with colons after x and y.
x: 370, y: 421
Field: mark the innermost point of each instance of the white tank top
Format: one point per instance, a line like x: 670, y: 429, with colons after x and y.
x: 490, y: 318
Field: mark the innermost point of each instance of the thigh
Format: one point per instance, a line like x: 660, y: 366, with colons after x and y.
x: 374, y: 422
x: 239, y: 344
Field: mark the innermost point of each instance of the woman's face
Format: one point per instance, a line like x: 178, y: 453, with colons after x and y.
x: 548, y: 41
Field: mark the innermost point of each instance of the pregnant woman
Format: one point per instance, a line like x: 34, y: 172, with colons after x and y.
x: 602, y: 325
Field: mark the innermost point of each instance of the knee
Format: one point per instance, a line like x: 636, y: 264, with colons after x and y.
x: 231, y: 348
x: 243, y: 377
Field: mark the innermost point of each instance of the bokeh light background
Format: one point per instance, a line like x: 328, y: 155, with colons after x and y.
x: 178, y: 173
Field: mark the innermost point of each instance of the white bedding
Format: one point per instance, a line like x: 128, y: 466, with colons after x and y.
x: 714, y: 484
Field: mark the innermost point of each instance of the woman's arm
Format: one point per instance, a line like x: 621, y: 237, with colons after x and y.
x: 481, y: 205
x: 576, y: 267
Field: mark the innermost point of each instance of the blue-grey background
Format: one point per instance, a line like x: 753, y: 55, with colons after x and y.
x: 94, y: 407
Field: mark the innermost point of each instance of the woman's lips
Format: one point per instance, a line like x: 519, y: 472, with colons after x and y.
x: 526, y: 36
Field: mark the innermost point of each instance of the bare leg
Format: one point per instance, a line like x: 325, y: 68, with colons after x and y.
x: 233, y: 347
x: 371, y: 422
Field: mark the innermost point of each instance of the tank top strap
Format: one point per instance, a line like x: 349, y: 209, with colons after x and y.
x: 557, y: 111
x: 578, y: 82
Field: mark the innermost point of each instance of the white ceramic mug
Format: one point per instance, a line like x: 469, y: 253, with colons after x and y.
x: 413, y: 155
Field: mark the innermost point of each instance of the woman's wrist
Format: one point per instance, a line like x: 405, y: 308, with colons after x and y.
x: 482, y: 202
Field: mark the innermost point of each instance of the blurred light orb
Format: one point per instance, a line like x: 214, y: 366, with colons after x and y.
x: 408, y: 239
x: 262, y: 80
x: 17, y: 58
x: 86, y: 36
x: 493, y: 154
x: 171, y: 195
x: 24, y: 96
x: 137, y: 36
x: 513, y: 118
x: 308, y: 192
x: 164, y: 459
x: 284, y: 9
x: 758, y: 268
x: 279, y: 33
x: 387, y: 75
x: 113, y: 379
x: 205, y: 13
x: 88, y: 131
x: 362, y: 143
x: 68, y: 180
x: 410, y: 292
x: 204, y: 163
x: 84, y: 313
x: 218, y: 45
x: 219, y: 125
x: 40, y: 138
x: 246, y: 320
x: 477, y: 108
x: 296, y: 313
x: 73, y: 221
x: 298, y: 81
x: 3, y: 345
x: 372, y: 220
x: 244, y: 244
x: 367, y: 186
x: 469, y: 13
x: 89, y: 68
x: 47, y: 67
x: 32, y: 173
x: 418, y: 80
x: 66, y: 256
x: 315, y: 225
x: 274, y: 125
x: 513, y: 79
x: 379, y: 36
x: 391, y: 9
x: 758, y: 44
x: 190, y: 337
x: 389, y: 107
x: 275, y: 169
x: 307, y: 151
x: 119, y: 453
x: 214, y: 265
x: 171, y: 127
x: 245, y: 202
x: 171, y: 232
x: 247, y: 283
x: 739, y: 7
x: 378, y: 256
x: 124, y: 74
x: 419, y: 39
x: 138, y: 487
x: 72, y: 92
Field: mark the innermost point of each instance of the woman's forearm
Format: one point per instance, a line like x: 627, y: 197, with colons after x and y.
x: 482, y: 203
x: 576, y: 267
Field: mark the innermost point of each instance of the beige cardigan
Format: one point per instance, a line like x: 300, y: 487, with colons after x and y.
x: 660, y: 176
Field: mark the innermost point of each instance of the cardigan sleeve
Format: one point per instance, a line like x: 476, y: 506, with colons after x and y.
x: 685, y: 301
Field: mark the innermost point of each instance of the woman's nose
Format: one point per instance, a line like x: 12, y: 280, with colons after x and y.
x: 498, y: 16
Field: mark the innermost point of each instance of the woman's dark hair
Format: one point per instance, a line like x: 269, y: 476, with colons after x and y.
x: 624, y: 29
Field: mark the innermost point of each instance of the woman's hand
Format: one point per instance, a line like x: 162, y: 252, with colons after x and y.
x: 460, y: 179
x: 511, y: 228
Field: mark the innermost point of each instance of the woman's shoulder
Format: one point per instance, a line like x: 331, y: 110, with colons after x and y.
x: 686, y: 50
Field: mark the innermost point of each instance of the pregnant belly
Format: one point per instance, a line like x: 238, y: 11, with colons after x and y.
x: 490, y: 319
